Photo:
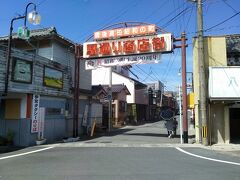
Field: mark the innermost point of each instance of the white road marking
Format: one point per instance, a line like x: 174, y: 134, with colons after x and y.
x: 210, y: 159
x: 22, y: 154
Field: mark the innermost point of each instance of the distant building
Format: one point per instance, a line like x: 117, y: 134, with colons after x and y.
x: 137, y: 100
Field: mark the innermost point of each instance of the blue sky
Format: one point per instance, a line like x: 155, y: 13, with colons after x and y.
x: 78, y: 19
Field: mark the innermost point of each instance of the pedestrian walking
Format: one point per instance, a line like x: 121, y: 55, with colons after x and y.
x: 171, y: 126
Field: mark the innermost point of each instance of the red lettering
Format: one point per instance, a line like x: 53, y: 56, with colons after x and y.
x: 129, y: 46
x: 105, y: 48
x: 92, y: 49
x: 158, y: 43
x: 143, y: 45
x: 117, y: 47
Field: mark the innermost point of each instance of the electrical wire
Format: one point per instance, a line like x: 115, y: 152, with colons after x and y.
x: 169, y: 69
x: 113, y: 18
x: 40, y: 3
x: 226, y: 3
x: 156, y: 10
x: 148, y: 74
x: 175, y: 17
x: 222, y: 22
x: 168, y: 15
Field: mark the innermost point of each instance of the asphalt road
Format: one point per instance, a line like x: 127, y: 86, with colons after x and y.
x: 133, y: 153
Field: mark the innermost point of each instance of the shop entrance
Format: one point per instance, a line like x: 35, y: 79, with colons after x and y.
x: 235, y: 125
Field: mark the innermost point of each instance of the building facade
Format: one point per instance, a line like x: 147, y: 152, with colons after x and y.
x: 137, y: 100
x: 222, y: 65
x: 44, y: 66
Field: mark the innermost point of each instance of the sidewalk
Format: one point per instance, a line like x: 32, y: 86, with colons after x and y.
x: 230, y: 149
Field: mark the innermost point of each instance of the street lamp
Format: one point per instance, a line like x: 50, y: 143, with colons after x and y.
x: 34, y: 18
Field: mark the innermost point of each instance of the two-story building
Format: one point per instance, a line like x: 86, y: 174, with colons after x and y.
x: 222, y: 69
x: 41, y: 76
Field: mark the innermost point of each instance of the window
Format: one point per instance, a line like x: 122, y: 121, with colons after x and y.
x: 233, y: 50
x: 122, y: 106
x: 53, y: 78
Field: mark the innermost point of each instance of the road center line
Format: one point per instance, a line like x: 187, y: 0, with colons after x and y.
x: 26, y: 153
x: 210, y: 159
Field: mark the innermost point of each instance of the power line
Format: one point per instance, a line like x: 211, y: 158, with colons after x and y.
x: 43, y: 1
x: 165, y: 77
x: 223, y: 21
x: 119, y: 14
x: 157, y: 9
x: 225, y: 2
x: 168, y: 15
x: 148, y: 74
x: 175, y: 17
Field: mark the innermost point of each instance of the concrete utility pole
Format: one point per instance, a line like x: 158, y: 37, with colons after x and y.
x: 78, y: 57
x: 202, y: 78
x: 180, y: 113
x: 184, y: 84
x: 110, y: 100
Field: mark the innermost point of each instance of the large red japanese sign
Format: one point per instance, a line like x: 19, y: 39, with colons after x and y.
x: 128, y: 46
x: 125, y: 32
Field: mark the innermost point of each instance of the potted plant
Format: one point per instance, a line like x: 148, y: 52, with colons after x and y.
x: 41, y: 141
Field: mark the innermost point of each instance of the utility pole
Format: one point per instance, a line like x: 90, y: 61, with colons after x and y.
x: 184, y: 84
x: 110, y: 100
x: 180, y: 112
x: 78, y: 57
x: 202, y: 78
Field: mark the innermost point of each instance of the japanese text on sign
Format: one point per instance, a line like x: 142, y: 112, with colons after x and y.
x: 35, y: 113
x: 128, y: 46
x: 122, y: 61
x: 125, y: 32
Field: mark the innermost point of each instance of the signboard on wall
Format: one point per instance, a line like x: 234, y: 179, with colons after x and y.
x: 53, y: 78
x: 22, y: 71
x: 35, y: 113
x: 224, y: 82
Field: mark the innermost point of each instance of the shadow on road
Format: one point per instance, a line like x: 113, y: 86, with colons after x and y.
x: 146, y: 134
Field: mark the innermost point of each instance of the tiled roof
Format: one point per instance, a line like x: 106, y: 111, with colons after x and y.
x: 97, y: 89
x: 117, y: 88
x: 38, y: 33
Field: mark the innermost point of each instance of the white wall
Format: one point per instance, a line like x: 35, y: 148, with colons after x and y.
x: 101, y: 76
x: 96, y: 113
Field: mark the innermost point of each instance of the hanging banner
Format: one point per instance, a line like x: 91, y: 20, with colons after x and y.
x: 122, y: 61
x: 35, y: 113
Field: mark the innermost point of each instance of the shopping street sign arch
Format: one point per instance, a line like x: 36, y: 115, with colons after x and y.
x: 135, y: 43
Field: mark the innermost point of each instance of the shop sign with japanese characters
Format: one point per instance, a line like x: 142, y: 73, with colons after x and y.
x: 128, y: 46
x: 35, y: 113
x: 125, y: 32
x: 122, y: 61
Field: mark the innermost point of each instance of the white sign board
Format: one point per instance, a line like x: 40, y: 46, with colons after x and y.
x: 35, y: 113
x: 122, y: 61
x: 224, y: 82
